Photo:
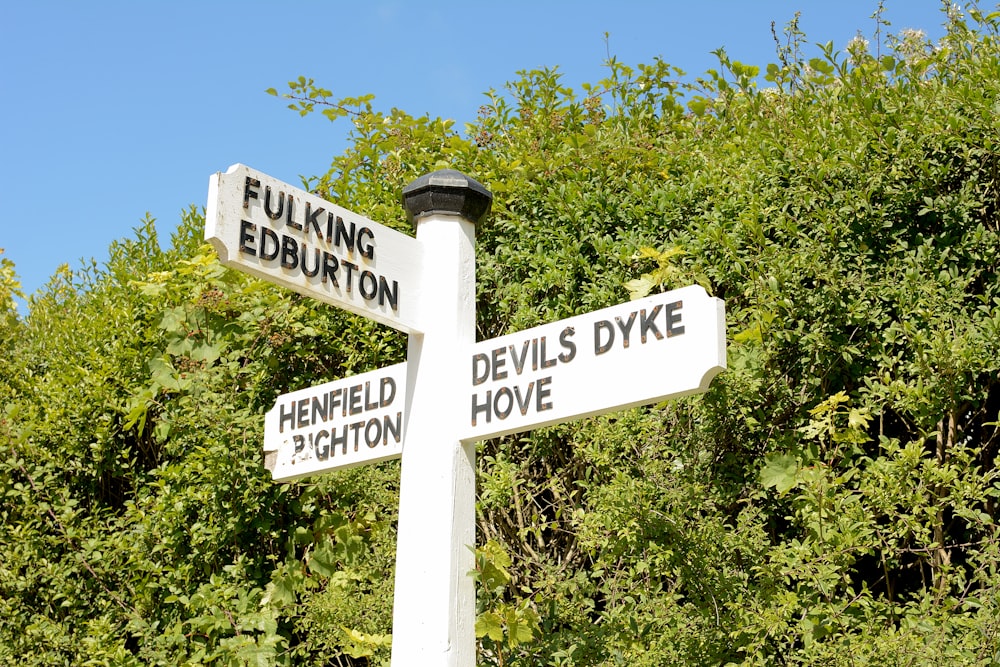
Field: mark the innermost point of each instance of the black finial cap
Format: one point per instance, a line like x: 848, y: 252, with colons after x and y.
x: 449, y: 192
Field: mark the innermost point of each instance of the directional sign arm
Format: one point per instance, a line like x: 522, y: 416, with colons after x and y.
x: 298, y: 240
x: 663, y: 346
x: 337, y: 425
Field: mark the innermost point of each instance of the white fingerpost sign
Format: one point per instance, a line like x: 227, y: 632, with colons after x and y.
x: 336, y: 425
x: 451, y: 391
x: 645, y: 351
x: 293, y: 238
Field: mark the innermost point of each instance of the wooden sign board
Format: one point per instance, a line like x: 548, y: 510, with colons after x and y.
x: 644, y: 351
x: 290, y: 237
x: 337, y: 425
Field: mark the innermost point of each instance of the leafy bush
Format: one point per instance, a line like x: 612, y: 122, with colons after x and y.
x: 831, y: 500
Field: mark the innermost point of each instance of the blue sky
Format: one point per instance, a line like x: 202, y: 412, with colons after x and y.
x: 112, y: 109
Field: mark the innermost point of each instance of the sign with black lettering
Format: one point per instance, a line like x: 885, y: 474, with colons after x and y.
x: 644, y: 351
x: 293, y: 238
x: 340, y: 424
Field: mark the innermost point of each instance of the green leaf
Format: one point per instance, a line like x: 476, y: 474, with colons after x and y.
x: 490, y: 625
x: 779, y: 472
x: 639, y: 287
x: 323, y: 560
x: 279, y: 592
x: 752, y: 333
x: 206, y: 352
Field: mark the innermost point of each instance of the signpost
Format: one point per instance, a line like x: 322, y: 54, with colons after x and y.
x: 451, y: 391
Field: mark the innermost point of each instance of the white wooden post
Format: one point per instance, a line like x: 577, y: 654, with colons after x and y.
x: 434, y: 609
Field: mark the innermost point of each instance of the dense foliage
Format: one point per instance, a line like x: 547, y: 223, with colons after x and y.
x: 831, y: 500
